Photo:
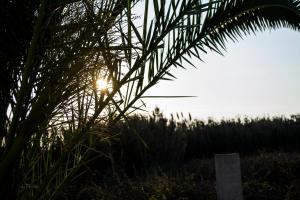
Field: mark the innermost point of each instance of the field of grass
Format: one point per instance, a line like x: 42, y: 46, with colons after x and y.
x: 156, y: 158
x: 266, y: 176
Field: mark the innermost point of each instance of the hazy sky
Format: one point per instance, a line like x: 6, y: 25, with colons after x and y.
x: 257, y: 76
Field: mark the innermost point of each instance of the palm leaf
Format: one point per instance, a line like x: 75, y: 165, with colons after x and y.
x: 232, y: 19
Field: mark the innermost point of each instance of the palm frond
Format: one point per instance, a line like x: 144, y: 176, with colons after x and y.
x: 181, y: 30
x: 233, y: 19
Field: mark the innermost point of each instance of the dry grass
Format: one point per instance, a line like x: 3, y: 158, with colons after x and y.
x: 266, y: 176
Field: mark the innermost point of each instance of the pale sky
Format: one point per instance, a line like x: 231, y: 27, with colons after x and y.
x: 257, y: 76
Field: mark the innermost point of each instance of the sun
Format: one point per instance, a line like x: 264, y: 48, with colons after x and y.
x: 101, y: 84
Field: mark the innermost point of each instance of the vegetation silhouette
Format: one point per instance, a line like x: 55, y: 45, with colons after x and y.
x: 175, y: 142
x: 53, y: 51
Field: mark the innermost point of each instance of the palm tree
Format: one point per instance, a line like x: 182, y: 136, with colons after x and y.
x: 71, y: 43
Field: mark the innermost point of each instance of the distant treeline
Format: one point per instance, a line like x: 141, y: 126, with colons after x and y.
x: 156, y: 140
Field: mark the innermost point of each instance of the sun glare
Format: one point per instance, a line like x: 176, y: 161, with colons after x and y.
x: 101, y: 84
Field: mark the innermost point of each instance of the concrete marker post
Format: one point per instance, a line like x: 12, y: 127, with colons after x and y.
x: 228, y: 175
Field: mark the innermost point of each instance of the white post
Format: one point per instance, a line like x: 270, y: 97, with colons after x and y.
x: 228, y: 175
